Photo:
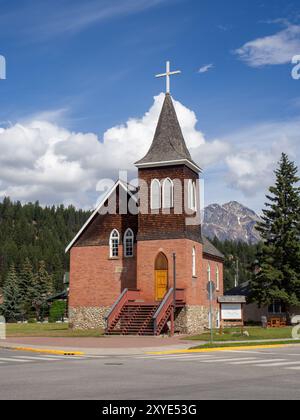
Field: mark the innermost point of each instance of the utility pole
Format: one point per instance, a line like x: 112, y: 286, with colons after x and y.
x: 210, y: 291
x: 174, y: 296
x: 237, y: 274
x: 211, y: 311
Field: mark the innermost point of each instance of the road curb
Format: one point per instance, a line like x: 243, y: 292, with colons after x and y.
x: 47, y: 351
x: 209, y: 350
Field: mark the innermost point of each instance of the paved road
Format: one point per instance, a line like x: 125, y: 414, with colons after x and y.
x: 251, y: 374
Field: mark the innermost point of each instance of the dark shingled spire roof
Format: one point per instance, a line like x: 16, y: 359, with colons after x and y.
x: 168, y: 143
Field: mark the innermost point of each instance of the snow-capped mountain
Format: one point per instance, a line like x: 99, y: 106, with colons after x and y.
x: 231, y: 221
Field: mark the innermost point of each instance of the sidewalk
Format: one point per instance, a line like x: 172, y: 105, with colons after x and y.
x: 116, y: 345
x: 112, y: 345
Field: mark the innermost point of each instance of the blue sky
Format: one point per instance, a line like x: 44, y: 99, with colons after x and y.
x: 87, y: 67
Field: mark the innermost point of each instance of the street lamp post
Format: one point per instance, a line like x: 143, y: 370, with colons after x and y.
x: 174, y: 296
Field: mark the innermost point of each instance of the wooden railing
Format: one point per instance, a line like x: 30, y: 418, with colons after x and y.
x: 114, y: 312
x: 163, y: 311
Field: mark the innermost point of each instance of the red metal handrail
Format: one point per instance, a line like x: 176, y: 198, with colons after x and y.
x: 165, y: 305
x: 125, y: 297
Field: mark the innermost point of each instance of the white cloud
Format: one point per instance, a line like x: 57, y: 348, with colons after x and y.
x: 206, y: 68
x: 257, y: 151
x: 271, y: 50
x: 42, y: 160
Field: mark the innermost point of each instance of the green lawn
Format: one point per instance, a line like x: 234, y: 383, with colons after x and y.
x: 48, y: 330
x: 224, y: 345
x: 255, y: 333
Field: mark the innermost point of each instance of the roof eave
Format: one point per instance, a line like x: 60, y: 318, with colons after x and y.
x: 107, y: 195
x: 186, y: 162
x: 210, y: 254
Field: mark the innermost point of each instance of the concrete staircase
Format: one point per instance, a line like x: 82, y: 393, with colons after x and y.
x: 131, y: 315
x: 135, y: 318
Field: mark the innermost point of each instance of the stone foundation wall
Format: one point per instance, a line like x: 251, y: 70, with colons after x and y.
x: 84, y: 318
x: 193, y: 319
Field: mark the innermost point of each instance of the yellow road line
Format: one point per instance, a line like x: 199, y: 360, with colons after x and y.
x: 209, y: 350
x: 49, y: 351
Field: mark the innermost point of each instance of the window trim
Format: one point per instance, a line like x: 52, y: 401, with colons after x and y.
x: 194, y: 270
x: 155, y: 181
x: 208, y: 272
x: 128, y: 235
x: 217, y: 278
x: 192, y: 195
x: 274, y: 304
x: 111, y: 238
x: 168, y: 180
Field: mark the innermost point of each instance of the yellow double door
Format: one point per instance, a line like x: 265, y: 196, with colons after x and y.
x: 161, y: 284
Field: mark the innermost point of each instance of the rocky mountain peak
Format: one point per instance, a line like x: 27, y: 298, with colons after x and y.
x: 232, y: 221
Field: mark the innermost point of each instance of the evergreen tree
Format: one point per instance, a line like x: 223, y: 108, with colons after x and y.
x: 11, y: 308
x: 26, y: 285
x: 41, y: 290
x: 278, y: 277
x: 37, y: 233
x: 241, y: 252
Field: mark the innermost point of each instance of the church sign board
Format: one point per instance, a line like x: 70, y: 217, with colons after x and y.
x: 232, y: 310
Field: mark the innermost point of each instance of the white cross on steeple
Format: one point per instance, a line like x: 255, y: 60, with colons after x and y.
x: 167, y: 76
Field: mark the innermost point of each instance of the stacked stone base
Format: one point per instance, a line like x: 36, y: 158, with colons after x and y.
x: 192, y: 319
x: 85, y: 318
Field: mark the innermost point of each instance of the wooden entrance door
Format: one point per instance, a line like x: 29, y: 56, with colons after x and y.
x: 161, y: 276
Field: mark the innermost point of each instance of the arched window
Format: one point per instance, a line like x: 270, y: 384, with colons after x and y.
x: 168, y: 194
x: 208, y: 273
x: 114, y: 240
x: 194, y: 199
x: 128, y: 243
x: 155, y: 194
x: 217, y: 278
x: 194, y: 261
x: 190, y: 186
x: 192, y: 195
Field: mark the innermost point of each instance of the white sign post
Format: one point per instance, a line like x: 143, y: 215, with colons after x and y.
x: 2, y: 328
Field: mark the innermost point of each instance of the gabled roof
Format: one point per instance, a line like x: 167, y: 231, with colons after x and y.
x: 242, y: 289
x: 168, y: 146
x: 232, y: 299
x: 127, y: 187
x: 59, y: 296
x: 210, y: 249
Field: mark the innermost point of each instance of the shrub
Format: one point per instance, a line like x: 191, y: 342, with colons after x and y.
x: 57, y: 311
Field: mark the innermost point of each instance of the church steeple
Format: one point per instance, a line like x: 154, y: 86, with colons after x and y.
x: 168, y: 146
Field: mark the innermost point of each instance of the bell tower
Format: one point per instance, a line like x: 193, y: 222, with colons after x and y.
x: 169, y: 217
x: 168, y: 183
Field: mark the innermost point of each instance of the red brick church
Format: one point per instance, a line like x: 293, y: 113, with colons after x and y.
x: 124, y: 262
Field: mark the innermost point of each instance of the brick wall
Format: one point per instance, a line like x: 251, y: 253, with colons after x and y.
x: 147, y: 252
x: 97, y: 280
x: 155, y: 224
x: 98, y: 232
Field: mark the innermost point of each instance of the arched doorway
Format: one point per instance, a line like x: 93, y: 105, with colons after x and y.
x: 161, y: 276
